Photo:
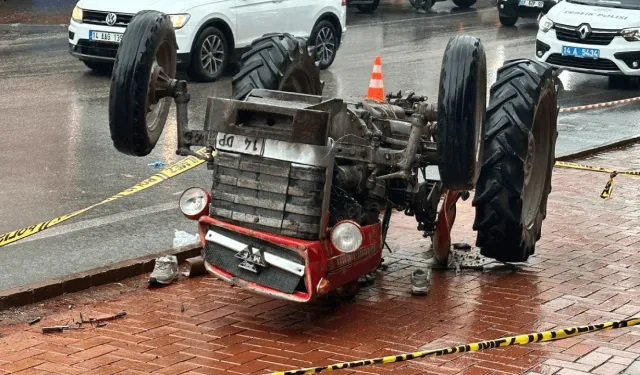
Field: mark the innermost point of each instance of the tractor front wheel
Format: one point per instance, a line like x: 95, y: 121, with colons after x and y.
x: 515, y: 178
x: 461, y: 112
x: 138, y: 109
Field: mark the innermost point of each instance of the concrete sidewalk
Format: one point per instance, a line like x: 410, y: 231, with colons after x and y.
x: 586, y: 269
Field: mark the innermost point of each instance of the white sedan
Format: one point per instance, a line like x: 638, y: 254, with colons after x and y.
x: 209, y: 33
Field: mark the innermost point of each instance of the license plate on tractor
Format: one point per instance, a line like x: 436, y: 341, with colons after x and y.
x: 240, y: 144
x: 531, y: 3
x: 583, y: 53
x: 105, y: 37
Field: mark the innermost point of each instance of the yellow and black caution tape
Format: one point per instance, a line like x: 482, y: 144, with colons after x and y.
x: 608, y: 189
x: 473, y: 347
x: 172, y: 170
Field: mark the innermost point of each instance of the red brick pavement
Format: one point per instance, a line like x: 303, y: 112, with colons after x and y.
x: 586, y: 269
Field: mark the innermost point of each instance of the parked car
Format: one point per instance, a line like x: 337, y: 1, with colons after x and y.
x: 593, y: 36
x: 209, y: 34
x: 509, y: 11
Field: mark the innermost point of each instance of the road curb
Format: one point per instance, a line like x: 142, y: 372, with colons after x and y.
x: 40, y: 291
x: 598, y: 149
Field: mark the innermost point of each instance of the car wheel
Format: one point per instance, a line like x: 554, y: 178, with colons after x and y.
x: 464, y: 3
x: 368, y: 8
x: 210, y: 55
x: 137, y: 111
x: 99, y: 67
x: 519, y: 155
x: 461, y: 112
x: 508, y: 21
x: 325, y: 38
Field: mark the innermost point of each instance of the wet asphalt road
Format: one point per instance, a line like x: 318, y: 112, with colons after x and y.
x: 57, y: 155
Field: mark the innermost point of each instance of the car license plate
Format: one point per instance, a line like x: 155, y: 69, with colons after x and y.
x: 531, y: 3
x: 105, y: 37
x: 240, y: 143
x: 584, y: 53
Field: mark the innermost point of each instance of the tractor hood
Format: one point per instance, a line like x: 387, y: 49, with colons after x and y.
x: 135, y: 6
x: 599, y: 14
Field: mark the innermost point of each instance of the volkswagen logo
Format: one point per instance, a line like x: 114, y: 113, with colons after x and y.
x: 584, y: 31
x: 111, y: 19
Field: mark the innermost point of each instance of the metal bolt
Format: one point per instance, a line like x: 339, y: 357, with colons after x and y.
x: 387, y: 157
x: 635, y: 64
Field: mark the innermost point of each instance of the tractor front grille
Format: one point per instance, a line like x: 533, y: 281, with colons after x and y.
x: 269, y: 195
x: 269, y: 276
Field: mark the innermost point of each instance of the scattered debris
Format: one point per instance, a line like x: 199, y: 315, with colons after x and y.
x: 103, y: 319
x: 34, y: 321
x: 461, y: 246
x: 102, y: 324
x: 181, y: 308
x: 196, y: 267
x: 165, y: 270
x: 421, y: 281
x: 157, y: 164
x: 70, y: 307
x: 182, y: 238
x: 60, y: 328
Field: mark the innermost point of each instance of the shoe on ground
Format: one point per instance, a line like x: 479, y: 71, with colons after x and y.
x: 165, y: 270
x: 421, y: 282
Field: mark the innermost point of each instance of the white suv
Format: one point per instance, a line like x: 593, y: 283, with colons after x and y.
x: 592, y: 36
x: 210, y: 33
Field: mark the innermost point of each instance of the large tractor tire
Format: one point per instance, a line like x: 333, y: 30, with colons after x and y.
x: 515, y: 179
x: 461, y: 112
x: 136, y: 116
x: 278, y: 62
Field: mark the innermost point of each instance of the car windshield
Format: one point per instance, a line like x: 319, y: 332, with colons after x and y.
x: 624, y: 4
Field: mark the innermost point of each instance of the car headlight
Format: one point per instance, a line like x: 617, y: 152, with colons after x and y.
x: 77, y: 14
x: 179, y: 20
x: 632, y: 35
x: 346, y: 237
x: 545, y: 24
x: 194, y: 203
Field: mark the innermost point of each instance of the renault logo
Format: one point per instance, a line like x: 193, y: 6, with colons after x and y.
x: 111, y: 19
x: 584, y: 31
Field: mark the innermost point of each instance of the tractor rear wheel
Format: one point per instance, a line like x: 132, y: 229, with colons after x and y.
x: 147, y: 51
x: 515, y: 178
x: 277, y: 62
x: 461, y: 112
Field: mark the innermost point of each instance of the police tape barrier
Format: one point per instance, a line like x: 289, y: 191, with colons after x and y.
x: 608, y: 189
x: 473, y: 347
x: 599, y: 105
x: 172, y: 170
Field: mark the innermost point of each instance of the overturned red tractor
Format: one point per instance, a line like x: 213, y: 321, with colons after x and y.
x: 304, y: 186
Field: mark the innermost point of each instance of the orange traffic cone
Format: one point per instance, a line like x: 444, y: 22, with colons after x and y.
x: 376, y: 88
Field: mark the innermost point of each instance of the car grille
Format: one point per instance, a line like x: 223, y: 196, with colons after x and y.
x: 268, y: 195
x: 94, y: 17
x: 576, y: 62
x: 98, y: 49
x: 600, y: 37
x: 269, y: 276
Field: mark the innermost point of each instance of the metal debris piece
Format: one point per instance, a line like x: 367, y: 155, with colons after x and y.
x: 103, y: 319
x: 461, y: 246
x: 102, y: 324
x: 34, y: 321
x: 60, y: 328
x: 181, y: 308
x: 196, y: 267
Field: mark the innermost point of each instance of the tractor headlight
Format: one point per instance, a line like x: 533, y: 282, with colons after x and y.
x: 632, y: 35
x: 346, y: 237
x: 545, y: 24
x: 179, y: 20
x: 77, y: 14
x: 194, y: 203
